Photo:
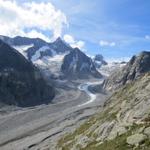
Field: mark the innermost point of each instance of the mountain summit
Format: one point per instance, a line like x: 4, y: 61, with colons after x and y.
x: 77, y: 65
x: 99, y: 61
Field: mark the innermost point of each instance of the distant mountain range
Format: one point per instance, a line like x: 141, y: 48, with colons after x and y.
x: 41, y: 53
x: 35, y: 48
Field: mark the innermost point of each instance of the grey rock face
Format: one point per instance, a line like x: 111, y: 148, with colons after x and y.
x: 147, y: 131
x: 137, y: 66
x: 136, y: 139
x: 77, y: 65
x: 21, y: 83
x: 99, y: 61
x: 60, y: 46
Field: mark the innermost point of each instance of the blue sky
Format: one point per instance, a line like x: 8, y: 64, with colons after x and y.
x: 114, y: 28
x: 125, y: 22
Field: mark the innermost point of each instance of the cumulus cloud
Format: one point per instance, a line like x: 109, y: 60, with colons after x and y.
x: 33, y: 17
x: 35, y: 34
x: 69, y: 39
x: 74, y: 43
x: 107, y: 43
x: 147, y: 37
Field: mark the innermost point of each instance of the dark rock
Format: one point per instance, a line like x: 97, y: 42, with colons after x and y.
x: 21, y: 83
x: 60, y: 46
x: 99, y: 61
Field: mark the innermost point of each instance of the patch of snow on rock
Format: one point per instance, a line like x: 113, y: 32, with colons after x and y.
x: 73, y: 63
x: 38, y: 53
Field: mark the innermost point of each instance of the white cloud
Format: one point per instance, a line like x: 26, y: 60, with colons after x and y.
x: 15, y: 19
x: 74, y: 43
x: 79, y: 44
x: 69, y: 39
x: 147, y: 37
x: 35, y: 34
x: 107, y: 43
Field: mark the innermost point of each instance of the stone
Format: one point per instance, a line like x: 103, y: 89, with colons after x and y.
x: 147, y: 131
x: 136, y: 139
x: 117, y: 130
x: 135, y: 68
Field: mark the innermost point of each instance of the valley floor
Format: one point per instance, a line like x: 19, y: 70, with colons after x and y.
x: 39, y: 127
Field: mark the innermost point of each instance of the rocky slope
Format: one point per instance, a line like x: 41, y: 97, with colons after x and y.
x: 123, y: 124
x: 77, y: 65
x: 135, y: 68
x: 21, y: 83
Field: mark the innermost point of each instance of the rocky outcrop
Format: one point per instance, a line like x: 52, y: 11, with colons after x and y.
x: 60, y: 46
x: 99, y: 61
x: 136, y: 139
x: 136, y: 67
x: 77, y: 65
x: 147, y: 131
x: 21, y: 83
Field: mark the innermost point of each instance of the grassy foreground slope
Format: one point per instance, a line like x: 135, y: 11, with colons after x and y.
x: 124, y: 123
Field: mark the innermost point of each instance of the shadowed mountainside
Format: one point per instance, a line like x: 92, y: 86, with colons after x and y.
x: 21, y: 83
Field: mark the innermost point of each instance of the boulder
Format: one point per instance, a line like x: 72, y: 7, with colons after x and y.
x: 136, y: 139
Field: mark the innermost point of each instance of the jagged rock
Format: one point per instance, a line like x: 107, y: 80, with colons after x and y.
x: 104, y: 130
x: 77, y: 65
x: 60, y: 46
x: 136, y: 139
x: 136, y: 67
x: 99, y: 61
x: 117, y: 131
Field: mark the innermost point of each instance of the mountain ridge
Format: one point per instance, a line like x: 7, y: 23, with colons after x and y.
x: 138, y: 65
x: 35, y: 44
